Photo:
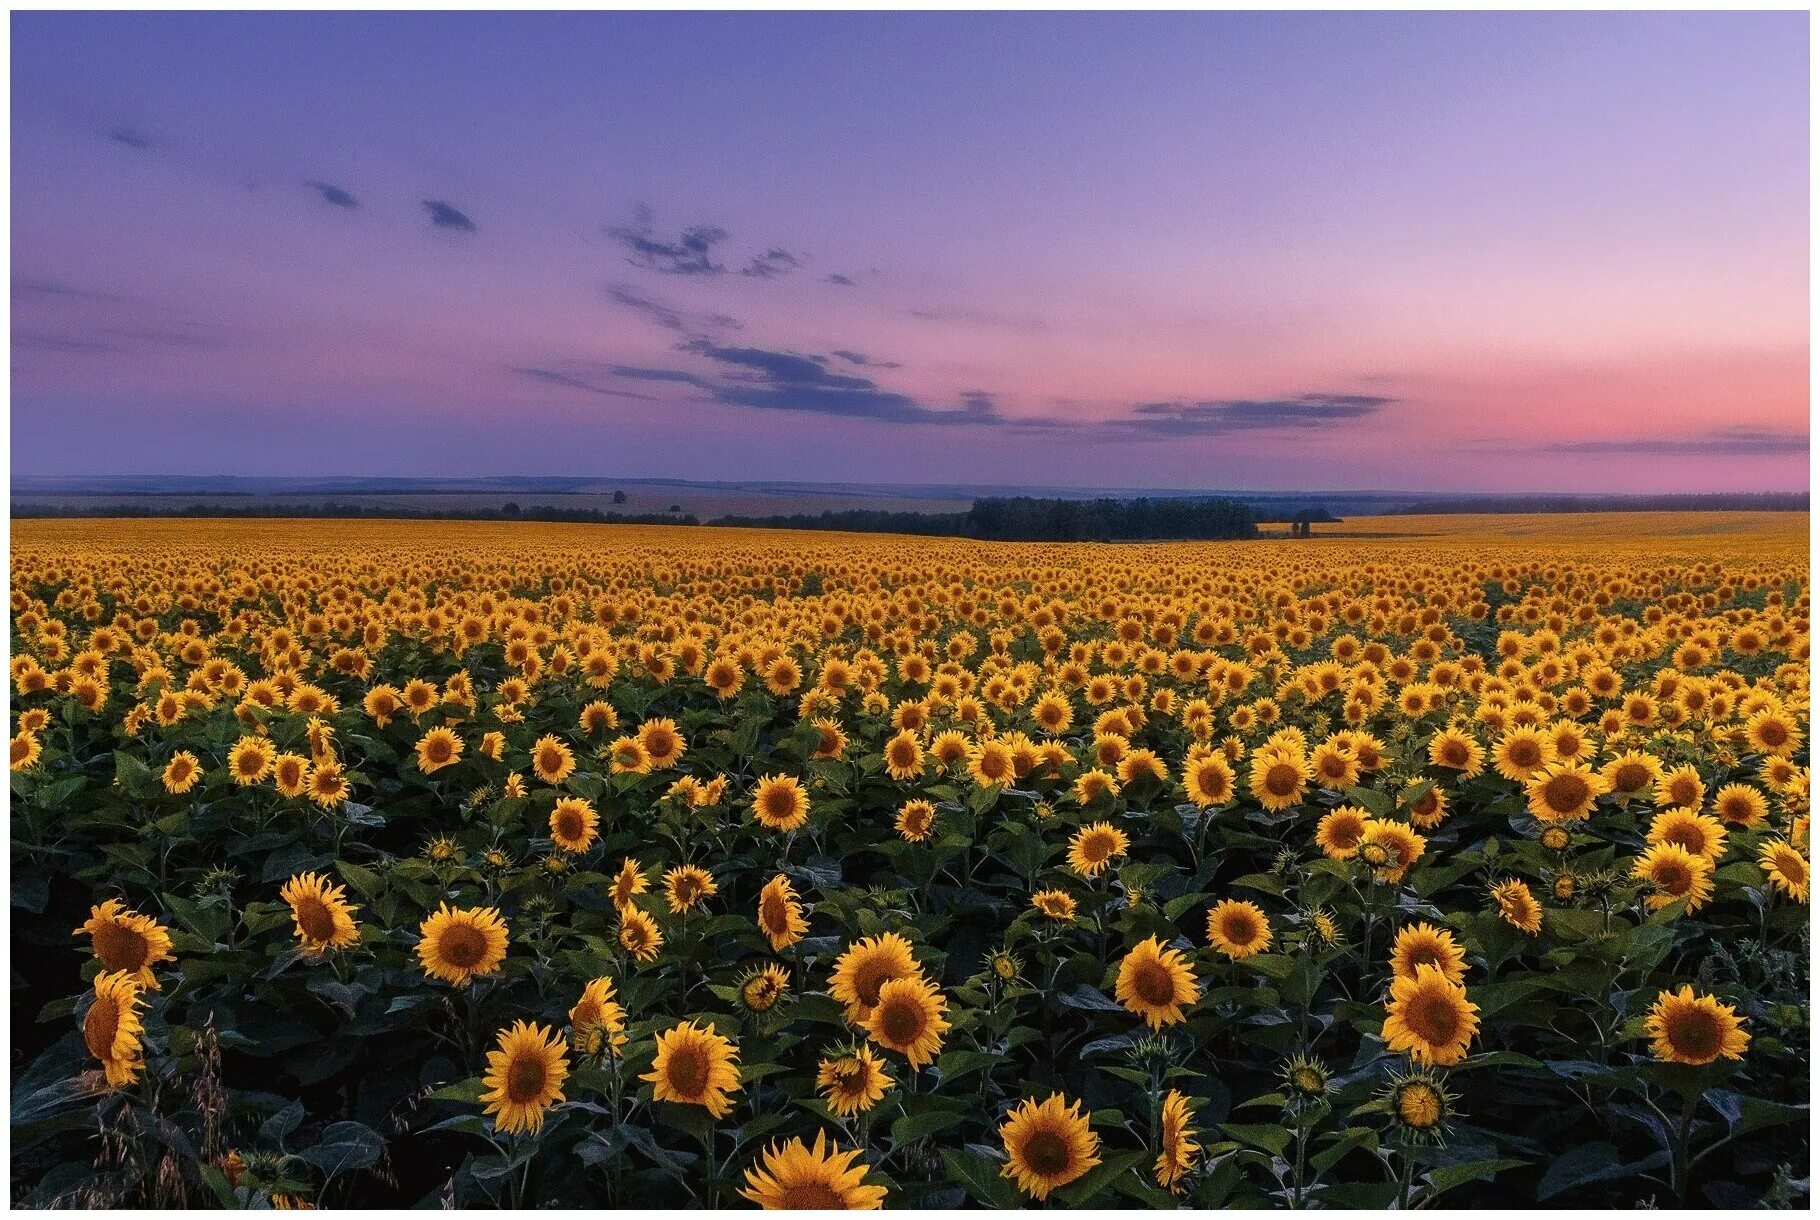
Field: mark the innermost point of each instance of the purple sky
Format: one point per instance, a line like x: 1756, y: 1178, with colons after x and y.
x: 1461, y: 252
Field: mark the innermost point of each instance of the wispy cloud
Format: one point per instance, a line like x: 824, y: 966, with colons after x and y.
x: 866, y: 361
x: 1737, y: 441
x: 980, y: 317
x: 51, y: 290
x: 771, y: 264
x: 1220, y: 416
x: 691, y: 252
x: 447, y: 216
x: 341, y: 198
x: 667, y: 316
x: 569, y: 381
x: 132, y: 137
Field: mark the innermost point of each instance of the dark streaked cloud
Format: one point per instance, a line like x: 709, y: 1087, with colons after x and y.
x: 51, y: 290
x: 769, y: 380
x: 569, y: 381
x: 638, y: 372
x: 667, y: 316
x: 1738, y: 441
x: 979, y: 317
x: 835, y: 277
x: 447, y: 216
x: 1221, y: 416
x: 63, y: 343
x: 862, y: 359
x: 771, y: 264
x: 342, y: 199
x: 691, y: 252
x: 132, y: 137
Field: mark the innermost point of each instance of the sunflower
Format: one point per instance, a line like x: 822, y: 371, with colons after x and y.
x: 597, y: 1013
x: 1339, y: 832
x: 625, y: 756
x: 1279, y: 779
x: 853, y: 1083
x: 1674, y: 874
x: 1522, y: 752
x: 1208, y: 780
x: 780, y: 914
x: 638, y: 934
x: 798, y: 1177
x: 1335, y: 767
x: 1456, y: 751
x: 524, y: 1077
x: 1429, y: 1017
x: 1564, y: 792
x: 908, y: 1019
x: 1093, y: 847
x: 1740, y: 805
x: 763, y: 986
x: 989, y: 763
x: 437, y: 749
x: 1178, y: 1149
x: 662, y: 741
x: 1423, y: 944
x: 1155, y: 983
x: 111, y: 1027
x: 181, y: 773
x: 1093, y: 784
x: 1055, y: 904
x: 328, y: 783
x: 1420, y: 1104
x: 551, y: 760
x: 1785, y: 868
x: 1680, y: 789
x: 1695, y: 1030
x: 903, y: 756
x: 25, y: 751
x: 574, y: 824
x: 1517, y: 906
x: 457, y: 945
x: 251, y: 760
x: 127, y: 942
x: 1771, y: 731
x: 629, y: 882
x: 323, y: 917
x: 1632, y: 773
x: 1400, y: 845
x: 1239, y: 929
x: 866, y: 966
x: 695, y: 1066
x: 780, y: 803
x: 1699, y: 833
x: 686, y: 886
x: 291, y: 774
x: 915, y: 820
x: 1047, y: 1145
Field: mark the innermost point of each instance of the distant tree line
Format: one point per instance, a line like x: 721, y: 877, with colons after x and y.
x: 505, y: 512
x: 1745, y: 501
x: 1033, y: 519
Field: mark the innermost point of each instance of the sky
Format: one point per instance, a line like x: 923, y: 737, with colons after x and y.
x: 1463, y: 252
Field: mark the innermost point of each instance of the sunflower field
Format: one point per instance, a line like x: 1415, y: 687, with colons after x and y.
x: 515, y: 865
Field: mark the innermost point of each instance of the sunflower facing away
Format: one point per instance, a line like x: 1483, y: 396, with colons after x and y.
x: 865, y: 967
x: 854, y: 1082
x: 780, y: 915
x: 111, y: 1027
x: 457, y: 945
x: 908, y: 1019
x: 799, y: 1177
x: 1058, y: 905
x: 638, y: 934
x: 1156, y: 983
x: 524, y: 1077
x: 1517, y: 906
x: 1047, y: 1145
x: 1429, y: 1018
x: 126, y: 941
x: 323, y: 917
x: 1177, y: 1149
x: 597, y: 1013
x: 695, y: 1066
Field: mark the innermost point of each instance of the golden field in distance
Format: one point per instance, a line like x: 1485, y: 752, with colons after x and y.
x: 1456, y: 860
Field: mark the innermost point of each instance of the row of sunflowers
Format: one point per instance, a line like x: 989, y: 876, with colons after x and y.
x: 574, y: 866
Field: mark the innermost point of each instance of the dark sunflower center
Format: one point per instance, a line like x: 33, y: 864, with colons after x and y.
x: 101, y: 1026
x: 314, y: 917
x: 1048, y: 1153
x: 1154, y: 984
x: 1238, y: 928
x: 525, y: 1079
x: 569, y: 824
x: 811, y: 1196
x: 1525, y: 754
x: 1673, y: 876
x: 780, y: 802
x: 463, y: 946
x: 120, y: 947
x: 901, y: 1023
x: 1281, y: 779
x: 1435, y: 1018
x: 688, y: 1071
x: 1696, y: 1034
x: 1565, y: 793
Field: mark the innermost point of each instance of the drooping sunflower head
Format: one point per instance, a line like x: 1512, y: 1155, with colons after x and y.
x: 1047, y: 1145
x: 1177, y: 1148
x: 780, y: 914
x: 1517, y: 906
x: 125, y: 941
x: 524, y: 1077
x: 1785, y: 867
x: 1058, y: 905
x: 1674, y: 874
x: 629, y: 882
x: 598, y: 1014
x: 323, y: 917
x: 638, y: 934
x: 457, y: 945
x: 111, y: 1028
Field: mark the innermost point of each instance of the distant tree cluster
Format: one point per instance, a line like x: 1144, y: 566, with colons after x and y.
x: 509, y: 511
x: 1033, y: 519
